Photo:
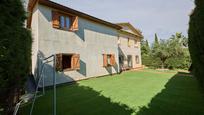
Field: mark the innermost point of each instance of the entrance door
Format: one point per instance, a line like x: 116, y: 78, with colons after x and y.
x: 129, y: 61
x: 137, y: 59
x: 121, y: 60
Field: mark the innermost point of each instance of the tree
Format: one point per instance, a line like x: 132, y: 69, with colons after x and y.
x: 180, y: 61
x: 156, y: 39
x: 155, y: 60
x: 147, y: 46
x: 145, y: 49
x: 156, y: 42
x: 177, y: 43
x: 180, y: 55
x: 162, y: 51
x: 171, y: 52
x: 196, y: 40
x: 15, y: 53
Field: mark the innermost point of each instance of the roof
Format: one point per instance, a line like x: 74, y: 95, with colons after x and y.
x: 60, y: 7
x: 136, y: 31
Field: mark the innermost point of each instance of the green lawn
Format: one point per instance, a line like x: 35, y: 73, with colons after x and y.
x: 145, y: 92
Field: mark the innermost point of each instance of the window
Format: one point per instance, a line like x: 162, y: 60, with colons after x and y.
x: 64, y: 21
x: 137, y: 60
x: 67, y: 20
x: 108, y: 60
x: 128, y: 42
x: 129, y: 60
x: 65, y: 62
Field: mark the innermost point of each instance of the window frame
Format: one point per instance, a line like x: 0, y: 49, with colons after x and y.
x: 59, y: 62
x: 65, y: 22
x: 128, y: 42
x: 111, y: 60
x: 73, y: 21
x: 70, y: 59
x: 137, y: 59
x: 130, y: 61
x: 70, y: 21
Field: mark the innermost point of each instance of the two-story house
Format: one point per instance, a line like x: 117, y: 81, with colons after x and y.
x: 85, y: 46
x: 129, y: 47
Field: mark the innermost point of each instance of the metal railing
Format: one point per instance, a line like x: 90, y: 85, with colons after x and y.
x: 42, y: 78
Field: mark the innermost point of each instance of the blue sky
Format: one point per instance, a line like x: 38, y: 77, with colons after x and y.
x: 164, y: 17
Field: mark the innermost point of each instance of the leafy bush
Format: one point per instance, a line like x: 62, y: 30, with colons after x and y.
x: 171, y: 53
x: 179, y: 62
x: 151, y: 62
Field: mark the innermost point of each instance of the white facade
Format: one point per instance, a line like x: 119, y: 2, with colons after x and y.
x: 91, y: 41
x: 129, y: 49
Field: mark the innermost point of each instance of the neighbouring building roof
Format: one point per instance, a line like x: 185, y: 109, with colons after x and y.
x: 60, y: 7
x: 134, y: 30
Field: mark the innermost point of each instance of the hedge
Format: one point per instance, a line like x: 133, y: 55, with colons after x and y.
x: 196, y: 40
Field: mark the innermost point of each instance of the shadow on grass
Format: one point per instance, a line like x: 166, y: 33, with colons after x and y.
x: 181, y: 96
x: 77, y: 100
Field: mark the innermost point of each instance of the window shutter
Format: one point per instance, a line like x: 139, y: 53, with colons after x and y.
x: 58, y: 62
x: 75, y: 25
x: 75, y: 64
x: 55, y: 19
x: 112, y: 59
x: 105, y: 61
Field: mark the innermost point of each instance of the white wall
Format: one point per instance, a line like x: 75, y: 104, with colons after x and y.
x: 125, y: 50
x: 34, y: 29
x: 90, y: 41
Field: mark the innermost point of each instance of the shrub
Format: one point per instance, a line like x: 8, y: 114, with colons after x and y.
x: 15, y: 53
x: 196, y: 40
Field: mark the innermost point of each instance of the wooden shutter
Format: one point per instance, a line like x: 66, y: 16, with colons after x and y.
x: 59, y: 62
x: 112, y: 59
x: 74, y: 25
x: 55, y: 19
x: 105, y: 61
x: 75, y: 61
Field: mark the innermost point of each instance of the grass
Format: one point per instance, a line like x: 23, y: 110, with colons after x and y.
x: 145, y: 92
